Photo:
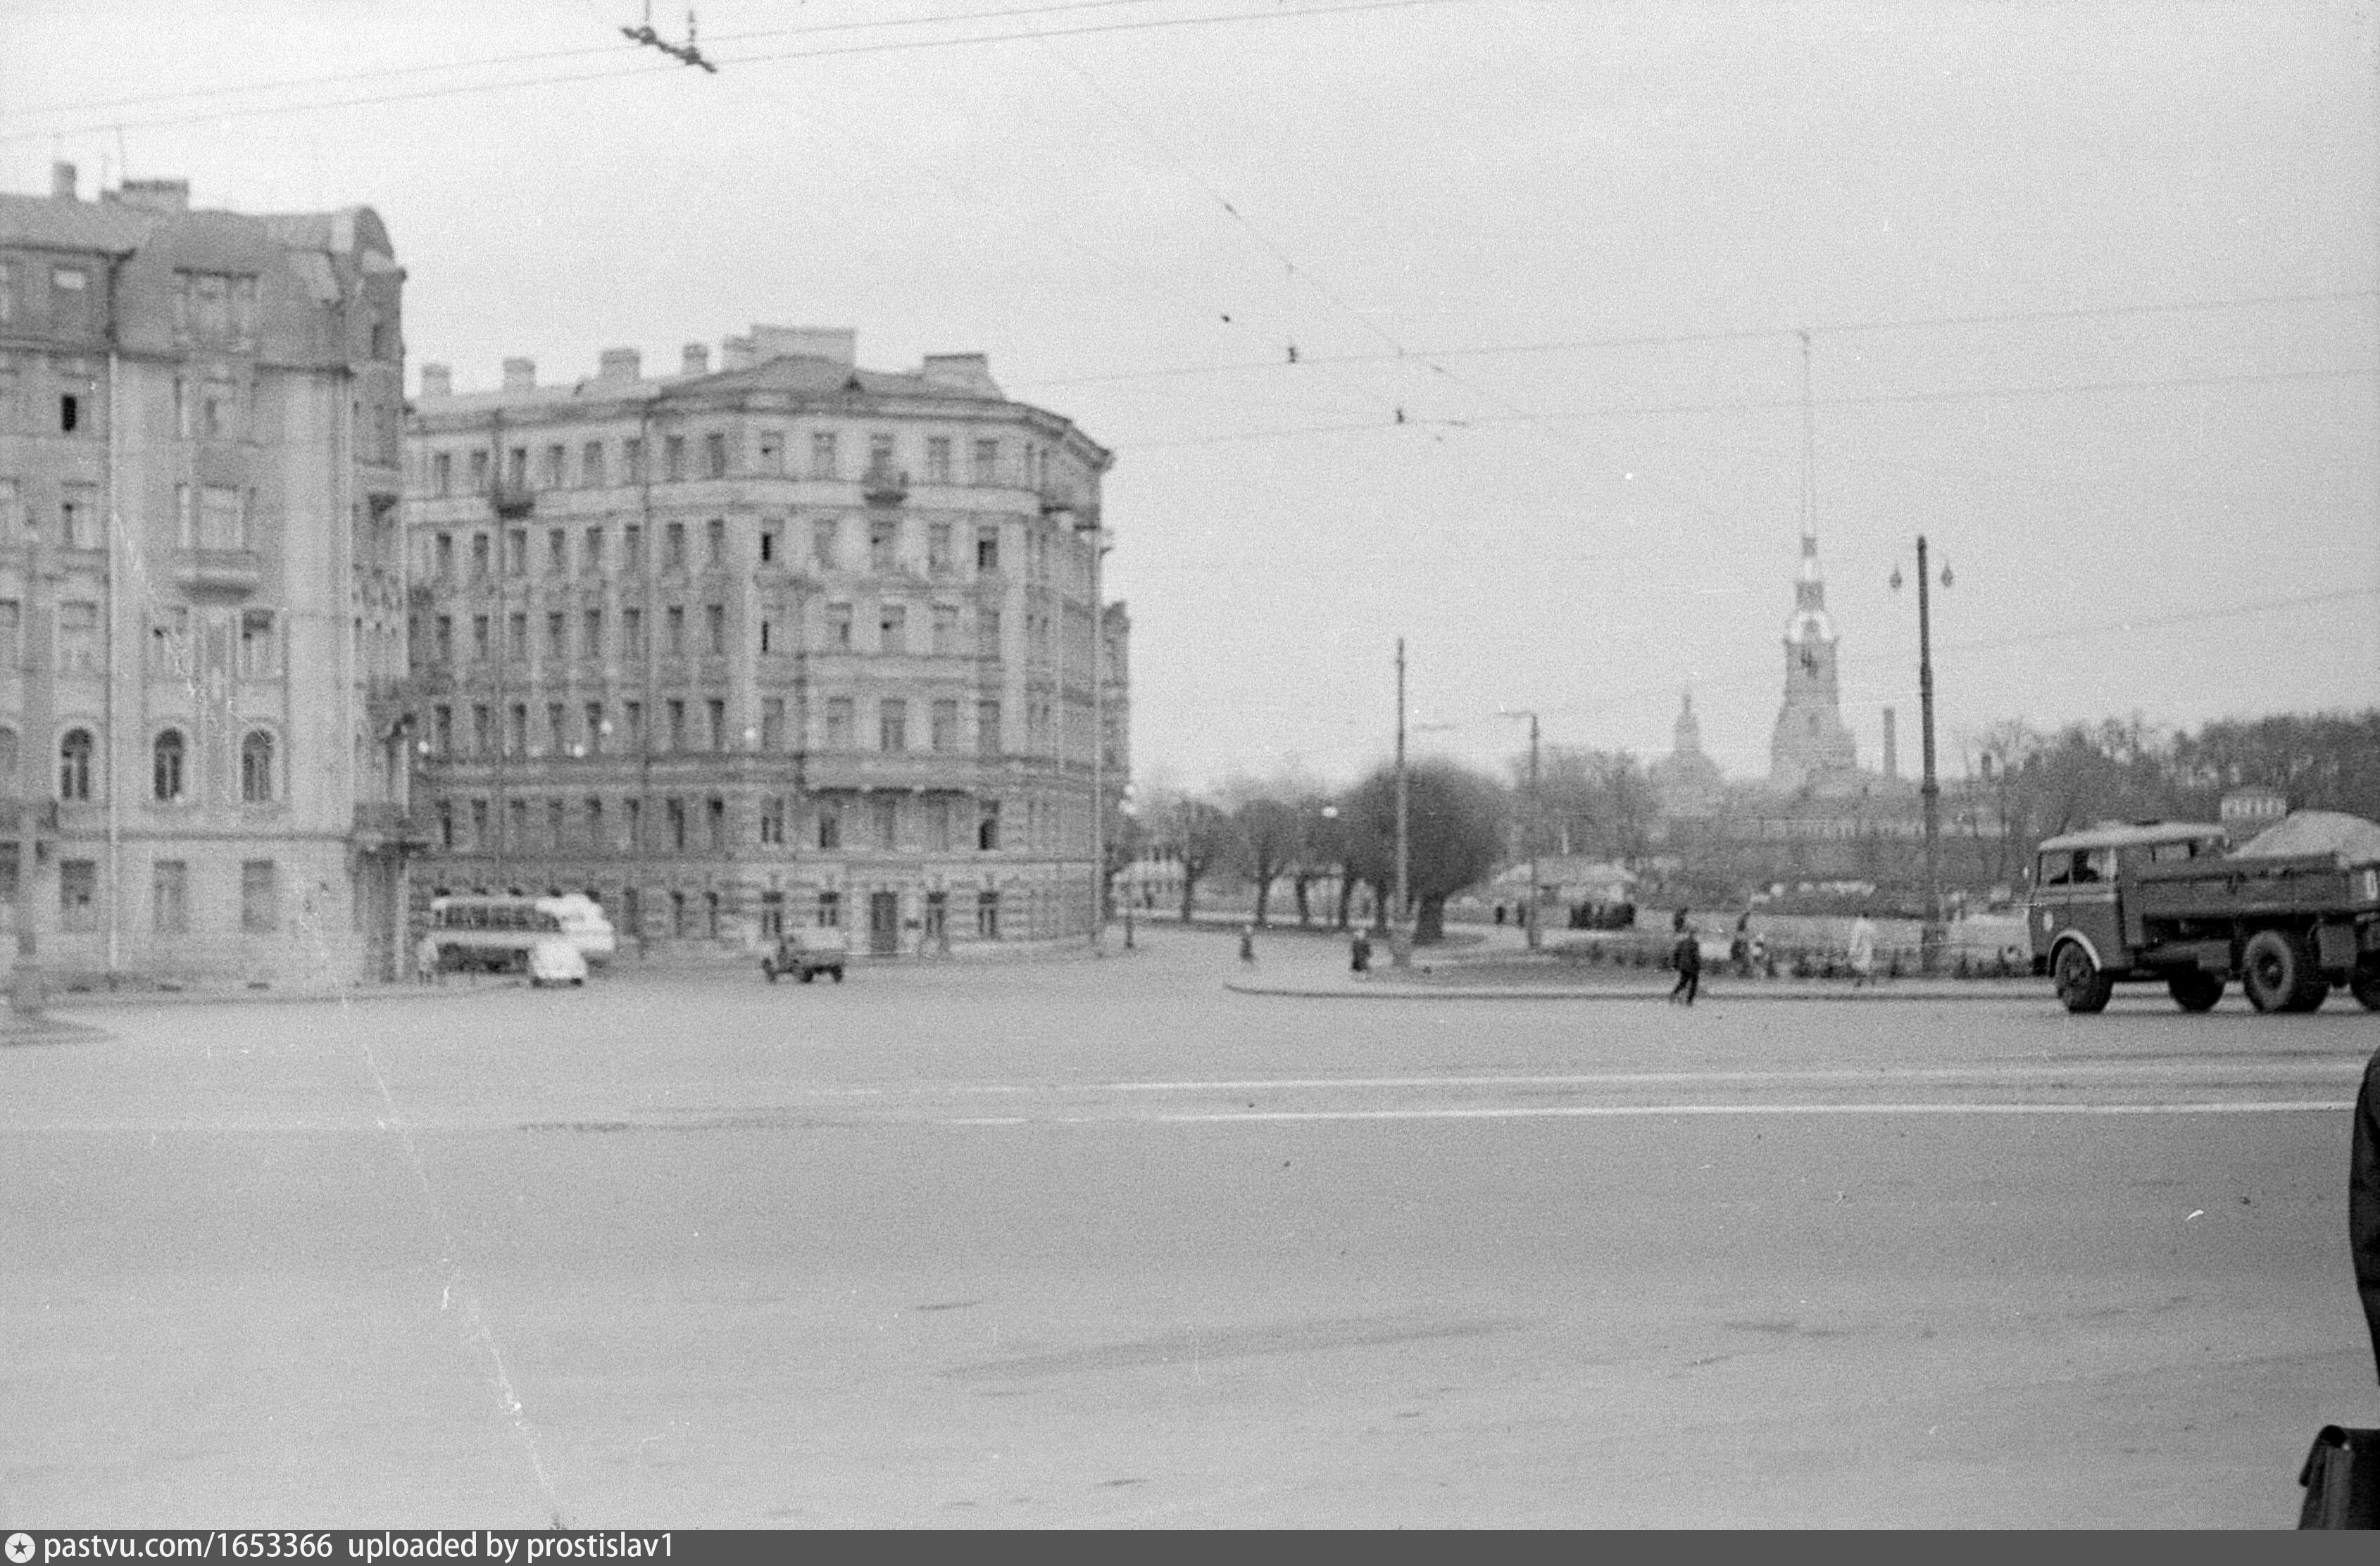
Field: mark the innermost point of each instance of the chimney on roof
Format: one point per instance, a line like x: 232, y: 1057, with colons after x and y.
x: 437, y: 381
x: 697, y: 360
x: 619, y: 364
x: 961, y: 372
x: 521, y: 374
x: 62, y: 181
x: 168, y: 196
x: 736, y: 352
x: 839, y: 343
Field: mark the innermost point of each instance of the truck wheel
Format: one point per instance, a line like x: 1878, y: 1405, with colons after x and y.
x: 808, y: 976
x: 2365, y: 985
x: 2196, y: 991
x: 838, y: 976
x: 2080, y: 986
x: 2279, y: 973
x: 770, y: 971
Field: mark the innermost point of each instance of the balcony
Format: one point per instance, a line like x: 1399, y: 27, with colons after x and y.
x: 512, y: 500
x: 383, y: 823
x: 884, y: 485
x: 234, y: 571
x: 1078, y: 513
x: 857, y: 770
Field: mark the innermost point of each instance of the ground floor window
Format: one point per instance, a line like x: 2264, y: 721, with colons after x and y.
x: 169, y: 897
x: 772, y: 914
x: 987, y: 915
x: 830, y: 910
x: 681, y: 916
x: 710, y: 914
x: 259, y: 896
x: 78, y: 894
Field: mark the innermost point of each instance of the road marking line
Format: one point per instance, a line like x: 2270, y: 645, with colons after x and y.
x: 1600, y: 1111
x: 2344, y: 1069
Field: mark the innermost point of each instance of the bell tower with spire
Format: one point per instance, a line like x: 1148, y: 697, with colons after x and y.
x: 1810, y: 746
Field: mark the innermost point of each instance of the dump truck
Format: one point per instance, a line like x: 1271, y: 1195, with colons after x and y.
x: 2172, y: 902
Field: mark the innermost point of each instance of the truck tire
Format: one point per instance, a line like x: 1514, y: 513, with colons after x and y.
x: 838, y: 976
x: 2081, y: 985
x: 2366, y: 983
x: 2196, y: 991
x: 771, y: 971
x: 2279, y: 974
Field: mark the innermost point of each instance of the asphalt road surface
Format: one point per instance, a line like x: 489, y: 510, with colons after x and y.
x: 1090, y: 1243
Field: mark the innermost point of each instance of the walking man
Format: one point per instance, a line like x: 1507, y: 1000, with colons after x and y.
x: 1686, y: 954
x: 1248, y: 944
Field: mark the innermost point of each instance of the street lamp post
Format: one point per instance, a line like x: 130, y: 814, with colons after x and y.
x: 1529, y: 827
x: 1929, y: 793
x: 1400, y: 939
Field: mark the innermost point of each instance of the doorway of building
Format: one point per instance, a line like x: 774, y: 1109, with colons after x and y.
x: 884, y: 923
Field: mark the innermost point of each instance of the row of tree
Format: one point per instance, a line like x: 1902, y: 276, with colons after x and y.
x: 2032, y: 784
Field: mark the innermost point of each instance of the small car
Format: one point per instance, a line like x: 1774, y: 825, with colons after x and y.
x: 807, y: 954
x: 555, y: 962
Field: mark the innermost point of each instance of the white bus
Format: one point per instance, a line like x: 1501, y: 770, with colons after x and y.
x: 584, y: 925
x: 490, y: 932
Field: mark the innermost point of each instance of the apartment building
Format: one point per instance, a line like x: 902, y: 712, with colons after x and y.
x: 783, y: 643
x: 201, y: 594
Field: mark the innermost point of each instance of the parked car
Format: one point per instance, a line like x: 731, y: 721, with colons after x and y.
x: 555, y: 961
x: 808, y: 952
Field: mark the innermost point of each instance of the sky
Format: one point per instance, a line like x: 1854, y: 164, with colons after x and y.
x: 2088, y: 290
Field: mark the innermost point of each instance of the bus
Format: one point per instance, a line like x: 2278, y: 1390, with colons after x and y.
x: 584, y: 925
x: 490, y: 932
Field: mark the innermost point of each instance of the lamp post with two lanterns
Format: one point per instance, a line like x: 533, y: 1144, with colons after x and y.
x: 1929, y: 792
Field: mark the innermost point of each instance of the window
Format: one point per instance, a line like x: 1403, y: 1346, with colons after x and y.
x: 483, y: 730
x: 715, y: 455
x: 590, y: 637
x: 256, y: 773
x: 632, y: 549
x: 714, y: 543
x: 557, y: 636
x: 838, y: 723
x: 838, y: 627
x: 478, y: 472
x: 674, y: 458
x: 710, y: 914
x: 79, y: 638
x: 944, y: 733
x: 442, y: 731
x: 881, y: 456
x: 169, y: 897
x: 517, y: 551
x: 169, y: 640
x: 445, y: 823
x: 443, y: 561
x: 986, y: 728
x: 595, y: 826
x: 938, y: 459
x: 673, y: 631
x: 938, y: 824
x: 938, y: 547
x: 673, y: 547
x: 829, y: 906
x: 165, y: 766
x: 558, y: 729
x: 884, y: 812
x: 550, y: 476
x: 773, y: 722
x: 893, y: 724
x: 557, y: 552
x: 772, y: 914
x: 632, y: 634
x: 479, y: 647
x: 676, y: 711
x: 591, y: 553
x: 987, y: 462
x: 772, y: 453
x: 715, y: 715
x: 987, y: 915
x: 772, y: 832
x: 824, y: 462
x: 714, y: 816
x: 674, y: 810
x: 595, y: 728
x: 221, y: 525
x: 946, y: 629
x: 892, y: 629
x: 479, y: 838
x: 557, y: 825
x: 883, y: 546
x: 987, y: 548
x: 987, y: 826
x: 632, y: 831
x: 830, y: 835
x: 74, y: 765
x: 768, y: 544
x: 516, y: 468
x: 590, y: 465
x: 478, y: 557
x: 516, y: 637
x: 823, y: 544
x: 259, y: 896
x: 517, y: 729
x: 633, y: 715
x: 78, y: 894
x: 632, y: 460
x: 715, y: 629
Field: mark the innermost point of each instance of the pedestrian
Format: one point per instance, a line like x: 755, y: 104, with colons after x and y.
x: 1738, y: 948
x: 425, y: 960
x: 1499, y: 913
x: 1359, y: 953
x: 1686, y: 955
x: 1863, y: 949
x: 1248, y: 944
x: 2364, y: 1200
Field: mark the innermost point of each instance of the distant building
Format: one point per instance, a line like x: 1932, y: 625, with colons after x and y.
x: 1810, y: 748
x: 201, y: 599
x: 1686, y: 782
x: 785, y: 643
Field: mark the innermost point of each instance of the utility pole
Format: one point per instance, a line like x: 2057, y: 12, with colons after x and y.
x: 36, y: 753
x: 1400, y: 939
x: 1930, y: 792
x: 1529, y: 827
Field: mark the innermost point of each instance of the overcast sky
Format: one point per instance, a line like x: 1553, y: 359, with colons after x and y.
x: 1571, y: 244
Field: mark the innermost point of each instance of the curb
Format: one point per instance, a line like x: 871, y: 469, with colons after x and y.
x: 50, y: 1030
x: 1416, y: 992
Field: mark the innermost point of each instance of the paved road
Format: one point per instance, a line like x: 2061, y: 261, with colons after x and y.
x: 1100, y: 1242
